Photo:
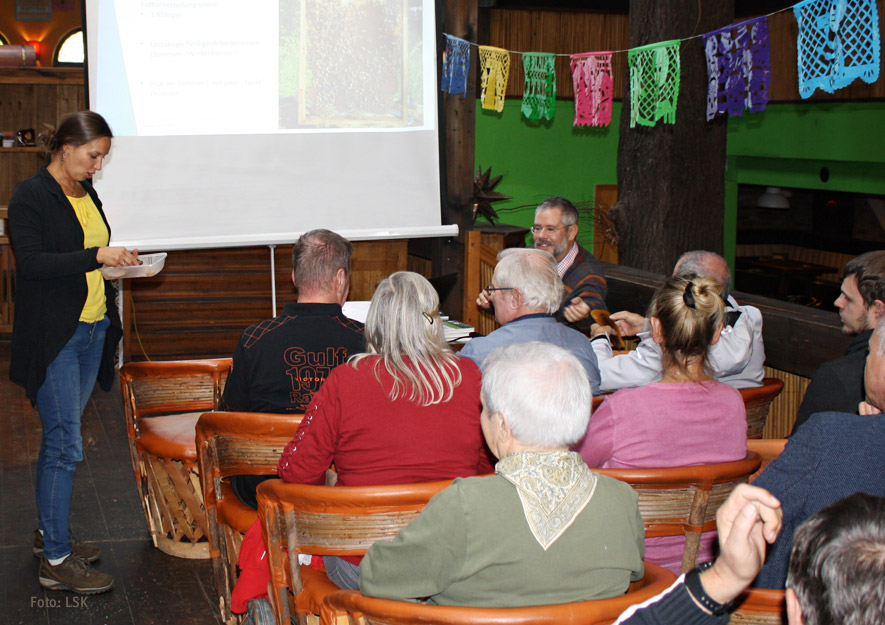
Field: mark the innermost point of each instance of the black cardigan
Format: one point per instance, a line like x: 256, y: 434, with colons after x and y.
x: 50, y: 290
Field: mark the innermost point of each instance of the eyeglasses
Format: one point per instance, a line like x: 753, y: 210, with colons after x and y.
x: 491, y: 288
x: 546, y: 229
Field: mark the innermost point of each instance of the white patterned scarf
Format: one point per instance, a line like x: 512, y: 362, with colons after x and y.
x: 554, y: 487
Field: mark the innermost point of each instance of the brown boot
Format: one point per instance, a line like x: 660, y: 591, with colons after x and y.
x: 74, y: 574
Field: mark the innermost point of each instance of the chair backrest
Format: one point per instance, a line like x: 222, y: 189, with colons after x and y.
x: 760, y: 606
x: 235, y: 443
x: 758, y: 402
x: 329, y: 521
x: 677, y: 501
x: 151, y: 388
x: 479, y: 265
x: 768, y: 449
x: 349, y: 607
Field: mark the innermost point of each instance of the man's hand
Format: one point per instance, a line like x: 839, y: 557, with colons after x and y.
x: 597, y: 330
x: 630, y: 324
x: 748, y: 518
x: 866, y: 408
x: 483, y: 300
x: 577, y: 310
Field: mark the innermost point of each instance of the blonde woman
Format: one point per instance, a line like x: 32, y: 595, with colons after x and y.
x: 406, y: 411
x: 688, y: 417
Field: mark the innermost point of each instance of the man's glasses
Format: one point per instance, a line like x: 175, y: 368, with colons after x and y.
x: 546, y: 229
x: 491, y: 288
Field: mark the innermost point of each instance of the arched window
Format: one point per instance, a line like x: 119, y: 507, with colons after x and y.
x: 70, y: 50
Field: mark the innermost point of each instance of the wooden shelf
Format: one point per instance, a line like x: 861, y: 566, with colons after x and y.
x: 41, y: 76
x: 20, y: 148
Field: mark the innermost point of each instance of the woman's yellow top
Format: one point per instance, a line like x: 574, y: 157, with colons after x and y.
x: 95, y: 234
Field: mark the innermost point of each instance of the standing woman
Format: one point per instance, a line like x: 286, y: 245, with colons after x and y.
x: 66, y: 328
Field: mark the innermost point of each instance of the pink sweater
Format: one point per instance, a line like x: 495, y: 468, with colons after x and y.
x: 668, y: 425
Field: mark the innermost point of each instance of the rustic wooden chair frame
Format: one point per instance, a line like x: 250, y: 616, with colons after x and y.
x: 683, y: 501
x: 235, y: 443
x: 327, y: 521
x: 349, y: 607
x: 159, y: 397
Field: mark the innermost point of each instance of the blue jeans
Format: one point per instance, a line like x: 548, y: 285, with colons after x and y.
x: 61, y: 401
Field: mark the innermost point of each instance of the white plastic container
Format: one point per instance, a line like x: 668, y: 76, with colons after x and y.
x: 151, y: 265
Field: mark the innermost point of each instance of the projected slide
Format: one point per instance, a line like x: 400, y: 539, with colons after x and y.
x: 228, y: 67
x: 351, y: 64
x: 246, y: 123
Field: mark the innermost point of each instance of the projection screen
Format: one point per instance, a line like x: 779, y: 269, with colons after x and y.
x: 246, y: 123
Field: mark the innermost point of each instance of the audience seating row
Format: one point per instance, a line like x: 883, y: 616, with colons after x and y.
x: 185, y: 507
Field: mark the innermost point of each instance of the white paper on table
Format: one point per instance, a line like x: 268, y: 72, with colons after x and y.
x: 357, y: 310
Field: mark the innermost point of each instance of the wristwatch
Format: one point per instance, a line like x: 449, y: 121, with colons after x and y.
x: 693, y: 583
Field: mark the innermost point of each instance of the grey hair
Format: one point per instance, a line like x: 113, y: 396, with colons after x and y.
x: 404, y: 328
x: 316, y: 258
x: 541, y: 389
x: 705, y: 264
x: 534, y: 273
x: 569, y: 210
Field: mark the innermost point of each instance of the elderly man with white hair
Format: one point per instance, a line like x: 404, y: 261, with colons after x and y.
x: 543, y: 529
x: 526, y: 292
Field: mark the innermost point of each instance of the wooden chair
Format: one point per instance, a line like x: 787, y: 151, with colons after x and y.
x: 679, y: 501
x: 161, y: 403
x: 758, y: 402
x: 327, y: 521
x: 235, y: 443
x: 768, y: 449
x: 760, y: 606
x: 479, y: 266
x: 349, y: 607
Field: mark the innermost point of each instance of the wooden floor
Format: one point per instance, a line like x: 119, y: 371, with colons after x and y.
x: 150, y: 586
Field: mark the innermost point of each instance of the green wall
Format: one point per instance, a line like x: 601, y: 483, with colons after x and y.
x: 786, y: 145
x: 542, y: 159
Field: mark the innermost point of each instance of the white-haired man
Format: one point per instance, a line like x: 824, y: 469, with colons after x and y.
x: 737, y: 359
x: 526, y: 292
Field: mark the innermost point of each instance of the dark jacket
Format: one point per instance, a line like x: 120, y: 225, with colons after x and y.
x: 832, y: 456
x: 837, y: 386
x: 50, y: 290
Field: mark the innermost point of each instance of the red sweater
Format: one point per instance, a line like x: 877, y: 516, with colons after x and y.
x: 372, y: 440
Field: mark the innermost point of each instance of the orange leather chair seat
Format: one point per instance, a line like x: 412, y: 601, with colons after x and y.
x: 233, y: 512
x: 316, y: 586
x: 169, y: 436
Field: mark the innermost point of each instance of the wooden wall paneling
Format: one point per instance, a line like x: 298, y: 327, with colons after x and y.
x: 33, y: 98
x: 560, y: 32
x: 372, y: 262
x: 201, y: 302
x: 785, y: 407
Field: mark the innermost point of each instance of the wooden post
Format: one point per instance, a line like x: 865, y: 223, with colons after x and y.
x: 671, y: 178
x: 458, y: 133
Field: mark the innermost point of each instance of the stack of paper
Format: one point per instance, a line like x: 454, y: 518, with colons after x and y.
x: 455, y: 330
